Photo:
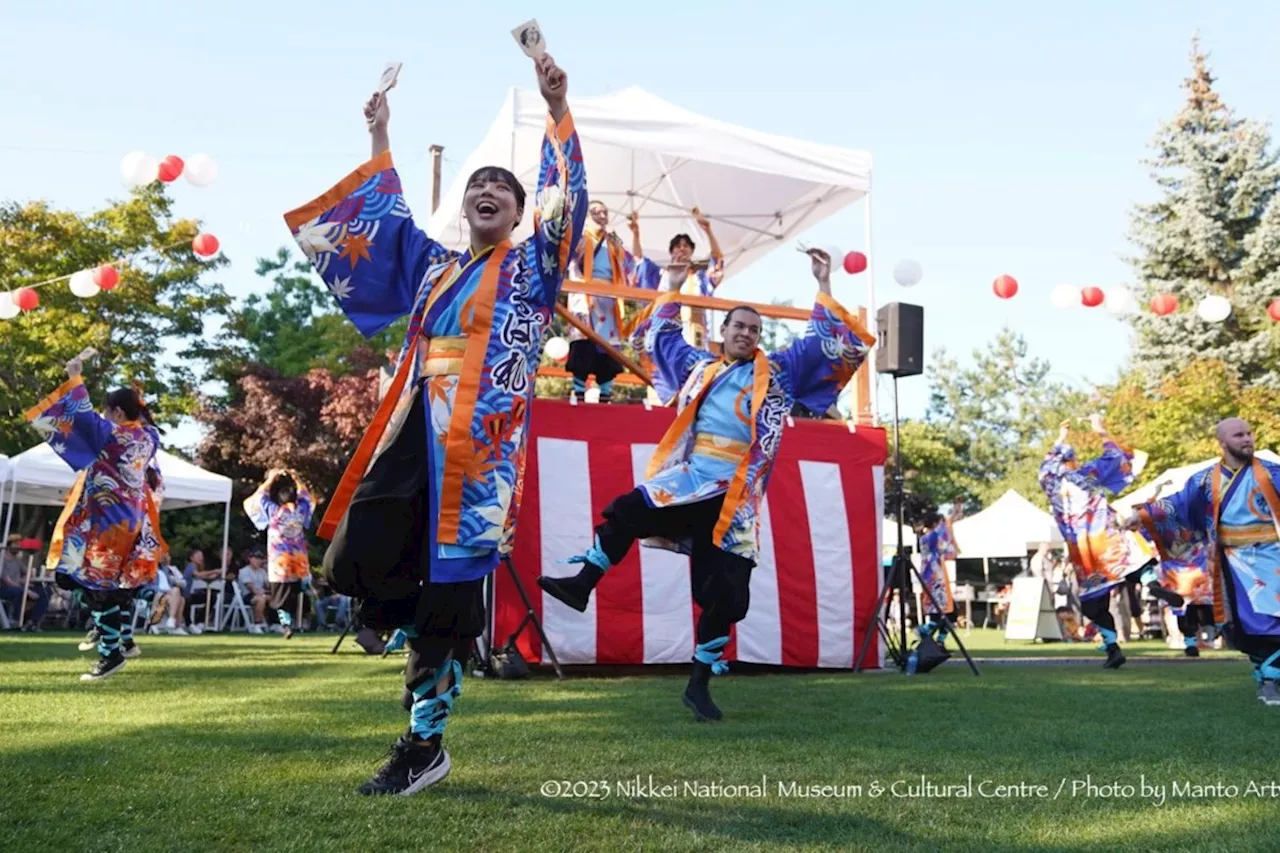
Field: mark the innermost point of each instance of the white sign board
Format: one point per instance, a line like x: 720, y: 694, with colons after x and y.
x: 1031, y: 615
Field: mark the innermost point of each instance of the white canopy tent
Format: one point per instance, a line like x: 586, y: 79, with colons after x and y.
x: 644, y: 154
x: 1172, y: 480
x: 1010, y: 527
x: 889, y: 536
x: 40, y: 477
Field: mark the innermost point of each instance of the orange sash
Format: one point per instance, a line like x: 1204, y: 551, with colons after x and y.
x: 589, y: 243
x: 459, y: 448
x: 1273, y: 503
x: 737, y: 492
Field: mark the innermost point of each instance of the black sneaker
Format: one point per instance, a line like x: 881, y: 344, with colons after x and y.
x: 1115, y: 659
x: 574, y: 591
x: 105, y: 667
x: 1169, y: 597
x: 90, y: 641
x: 288, y: 633
x: 697, y: 695
x: 1191, y: 652
x: 409, y: 768
x: 130, y: 651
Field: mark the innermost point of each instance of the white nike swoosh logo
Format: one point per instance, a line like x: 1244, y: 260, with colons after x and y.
x: 414, y: 777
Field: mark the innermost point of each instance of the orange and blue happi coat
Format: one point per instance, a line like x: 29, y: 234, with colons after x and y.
x: 108, y: 536
x: 731, y: 414
x: 475, y: 336
x: 609, y: 262
x: 936, y: 547
x: 1102, y: 552
x: 1229, y: 517
x: 286, y: 526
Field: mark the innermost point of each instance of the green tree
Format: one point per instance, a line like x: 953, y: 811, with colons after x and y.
x: 1214, y: 230
x: 1175, y: 424
x: 161, y: 307
x: 933, y: 473
x: 998, y: 415
x: 295, y: 326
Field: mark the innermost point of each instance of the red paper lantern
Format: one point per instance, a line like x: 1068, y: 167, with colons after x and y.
x: 205, y: 245
x: 106, y: 277
x: 1092, y: 297
x: 171, y: 168
x: 26, y: 298
x: 1164, y: 303
x: 1006, y: 287
x: 1273, y: 310
x: 855, y: 262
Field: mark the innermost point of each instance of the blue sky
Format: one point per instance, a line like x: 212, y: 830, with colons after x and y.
x: 1007, y: 137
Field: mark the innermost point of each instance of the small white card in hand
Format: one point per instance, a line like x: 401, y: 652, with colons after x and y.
x: 390, y: 75
x: 529, y: 36
x: 87, y: 353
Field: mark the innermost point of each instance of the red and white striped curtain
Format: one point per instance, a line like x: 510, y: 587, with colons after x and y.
x: 813, y: 591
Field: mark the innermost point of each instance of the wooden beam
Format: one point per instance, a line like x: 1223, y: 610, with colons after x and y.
x: 597, y: 287
x: 609, y: 349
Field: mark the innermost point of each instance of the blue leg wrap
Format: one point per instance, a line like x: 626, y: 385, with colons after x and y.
x: 1189, y: 642
x: 400, y: 637
x: 710, y: 653
x: 579, y: 386
x: 1149, y: 577
x: 606, y: 388
x: 286, y: 618
x: 1267, y: 669
x: 126, y: 632
x: 1108, y: 636
x: 108, y: 635
x: 595, y: 556
x: 430, y: 711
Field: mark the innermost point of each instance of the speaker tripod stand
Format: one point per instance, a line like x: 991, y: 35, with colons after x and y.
x: 899, y: 580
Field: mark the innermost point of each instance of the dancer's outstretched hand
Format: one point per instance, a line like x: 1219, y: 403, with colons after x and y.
x: 554, y: 85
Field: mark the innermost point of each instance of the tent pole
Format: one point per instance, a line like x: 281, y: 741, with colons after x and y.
x: 13, y: 497
x: 871, y: 302
x: 222, y: 593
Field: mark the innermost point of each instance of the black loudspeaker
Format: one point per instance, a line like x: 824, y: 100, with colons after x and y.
x: 900, y: 339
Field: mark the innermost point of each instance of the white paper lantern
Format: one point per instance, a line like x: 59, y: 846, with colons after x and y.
x: 1214, y: 309
x: 139, y: 168
x: 836, y: 254
x: 557, y: 348
x: 83, y: 285
x: 1064, y: 296
x: 201, y: 170
x: 1119, y: 300
x: 907, y: 273
x: 8, y: 308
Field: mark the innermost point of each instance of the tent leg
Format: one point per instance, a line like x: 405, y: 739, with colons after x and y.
x: 871, y: 302
x: 222, y: 593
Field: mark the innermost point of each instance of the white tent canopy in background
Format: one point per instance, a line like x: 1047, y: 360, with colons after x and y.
x: 1010, y: 527
x: 40, y: 477
x: 642, y: 153
x: 889, y: 535
x: 1174, y: 479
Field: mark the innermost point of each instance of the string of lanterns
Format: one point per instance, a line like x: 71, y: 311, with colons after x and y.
x: 138, y: 169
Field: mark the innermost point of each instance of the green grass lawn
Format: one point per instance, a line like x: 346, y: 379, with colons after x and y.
x: 256, y: 744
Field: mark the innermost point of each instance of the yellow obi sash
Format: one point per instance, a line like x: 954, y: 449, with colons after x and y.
x: 720, y: 447
x: 1239, y: 536
x: 441, y: 356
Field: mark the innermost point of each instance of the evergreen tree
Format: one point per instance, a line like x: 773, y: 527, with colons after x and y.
x: 1214, y: 231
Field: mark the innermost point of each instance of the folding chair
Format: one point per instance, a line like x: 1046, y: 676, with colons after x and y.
x: 236, y: 615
